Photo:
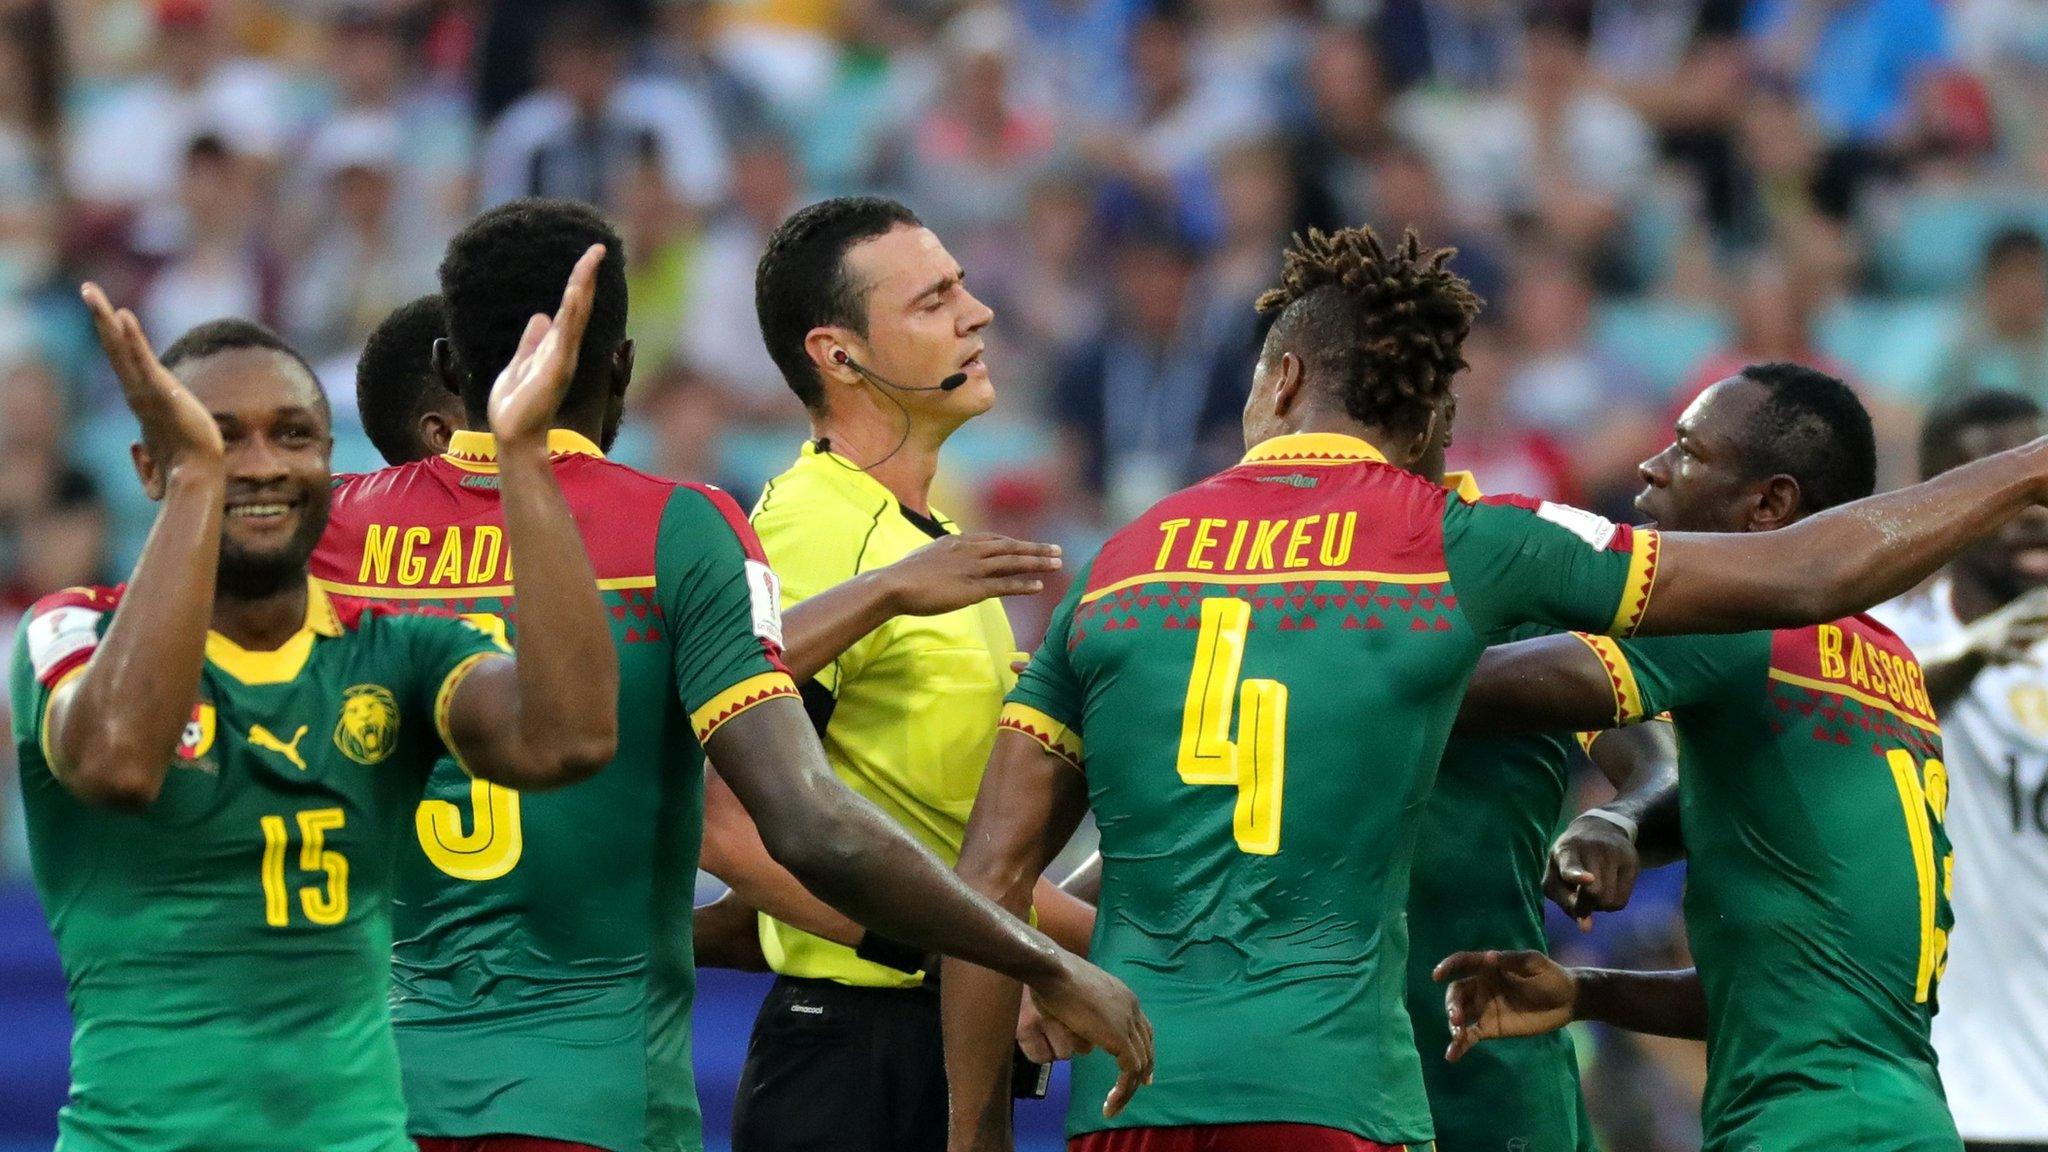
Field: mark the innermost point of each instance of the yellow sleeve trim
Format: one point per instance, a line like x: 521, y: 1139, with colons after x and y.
x: 444, y: 700
x: 1641, y: 581
x: 50, y: 704
x: 1586, y: 739
x: 737, y: 699
x: 1628, y: 696
x: 1053, y: 736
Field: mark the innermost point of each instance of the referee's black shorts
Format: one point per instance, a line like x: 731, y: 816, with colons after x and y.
x: 832, y: 1068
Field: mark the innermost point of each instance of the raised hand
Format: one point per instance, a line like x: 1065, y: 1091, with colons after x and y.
x: 1098, y: 1011
x: 957, y: 571
x: 176, y: 426
x: 529, y: 392
x: 1497, y: 994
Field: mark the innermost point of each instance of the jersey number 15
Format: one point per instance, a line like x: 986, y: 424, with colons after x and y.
x: 1256, y: 761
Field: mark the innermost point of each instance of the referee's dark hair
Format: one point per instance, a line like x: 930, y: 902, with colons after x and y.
x: 1812, y: 428
x: 1941, y: 435
x: 396, y: 383
x: 513, y: 262
x: 802, y: 282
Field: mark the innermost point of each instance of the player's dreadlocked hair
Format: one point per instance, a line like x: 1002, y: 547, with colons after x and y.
x: 1386, y: 326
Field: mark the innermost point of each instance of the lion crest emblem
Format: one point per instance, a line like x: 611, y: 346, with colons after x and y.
x: 368, y: 729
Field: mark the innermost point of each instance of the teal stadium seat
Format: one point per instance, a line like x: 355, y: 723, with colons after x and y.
x: 1894, y: 346
x: 1933, y: 242
x: 1664, y: 340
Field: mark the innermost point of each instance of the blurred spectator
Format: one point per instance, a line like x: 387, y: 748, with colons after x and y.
x: 1346, y: 127
x: 1453, y: 43
x: 1078, y: 49
x: 787, y: 44
x: 52, y: 524
x: 128, y: 149
x: 2005, y: 346
x: 375, y: 74
x: 223, y: 268
x: 1503, y: 453
x: 361, y: 267
x: 880, y: 75
x: 1255, y: 190
x: 687, y: 415
x: 687, y: 49
x: 1683, y: 67
x: 1555, y: 154
x: 2005, y: 43
x: 1775, y: 304
x: 661, y: 239
x: 721, y: 333
x: 1052, y: 299
x: 1180, y: 118
x: 1406, y: 193
x: 31, y: 84
x: 1855, y: 61
x: 1155, y: 398
x: 974, y: 152
x: 1787, y: 199
x: 1564, y: 386
x: 579, y: 135
x: 1260, y: 46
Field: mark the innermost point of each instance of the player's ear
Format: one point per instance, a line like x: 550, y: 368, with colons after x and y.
x: 445, y: 369
x: 436, y: 429
x: 1288, y: 379
x: 146, y: 469
x: 1777, y: 504
x: 622, y: 369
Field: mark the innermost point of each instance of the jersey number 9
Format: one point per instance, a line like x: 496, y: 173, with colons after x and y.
x: 1256, y: 761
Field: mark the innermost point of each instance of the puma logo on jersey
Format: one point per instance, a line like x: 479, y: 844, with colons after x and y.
x: 262, y: 738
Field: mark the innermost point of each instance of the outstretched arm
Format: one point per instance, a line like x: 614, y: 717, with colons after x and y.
x: 844, y: 850
x: 1500, y: 994
x: 943, y: 576
x: 111, y: 730
x: 1841, y: 561
x: 1551, y: 683
x: 1030, y: 803
x: 550, y: 716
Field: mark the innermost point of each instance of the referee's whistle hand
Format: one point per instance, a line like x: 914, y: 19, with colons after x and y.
x: 955, y: 572
x: 1100, y: 1012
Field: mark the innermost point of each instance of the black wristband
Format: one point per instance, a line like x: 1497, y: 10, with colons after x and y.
x: 879, y: 949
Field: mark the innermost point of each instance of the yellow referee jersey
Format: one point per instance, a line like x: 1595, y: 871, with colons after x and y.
x: 916, y: 699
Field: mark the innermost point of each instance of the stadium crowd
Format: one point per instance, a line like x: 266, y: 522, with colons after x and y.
x: 1647, y: 193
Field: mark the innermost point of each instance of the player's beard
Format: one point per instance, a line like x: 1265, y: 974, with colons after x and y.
x: 245, y: 574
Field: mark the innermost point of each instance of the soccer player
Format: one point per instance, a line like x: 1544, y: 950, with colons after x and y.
x: 542, y: 966
x: 407, y: 409
x: 870, y: 320
x: 1483, y: 856
x: 218, y: 761
x: 1251, y: 686
x: 1977, y: 630
x: 1812, y: 798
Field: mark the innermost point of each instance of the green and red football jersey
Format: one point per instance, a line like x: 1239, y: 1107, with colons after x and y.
x: 1257, y: 678
x: 1818, y: 878
x: 227, y: 950
x: 542, y: 971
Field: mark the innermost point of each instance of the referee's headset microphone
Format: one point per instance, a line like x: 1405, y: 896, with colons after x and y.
x: 839, y: 356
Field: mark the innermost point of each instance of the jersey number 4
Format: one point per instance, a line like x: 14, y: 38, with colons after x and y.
x: 1256, y: 761
x: 1925, y: 802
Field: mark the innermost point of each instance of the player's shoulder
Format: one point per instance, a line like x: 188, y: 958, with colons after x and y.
x: 100, y: 598
x: 804, y: 513
x: 62, y: 629
x: 355, y: 495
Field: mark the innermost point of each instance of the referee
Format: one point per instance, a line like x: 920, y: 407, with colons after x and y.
x: 867, y: 317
